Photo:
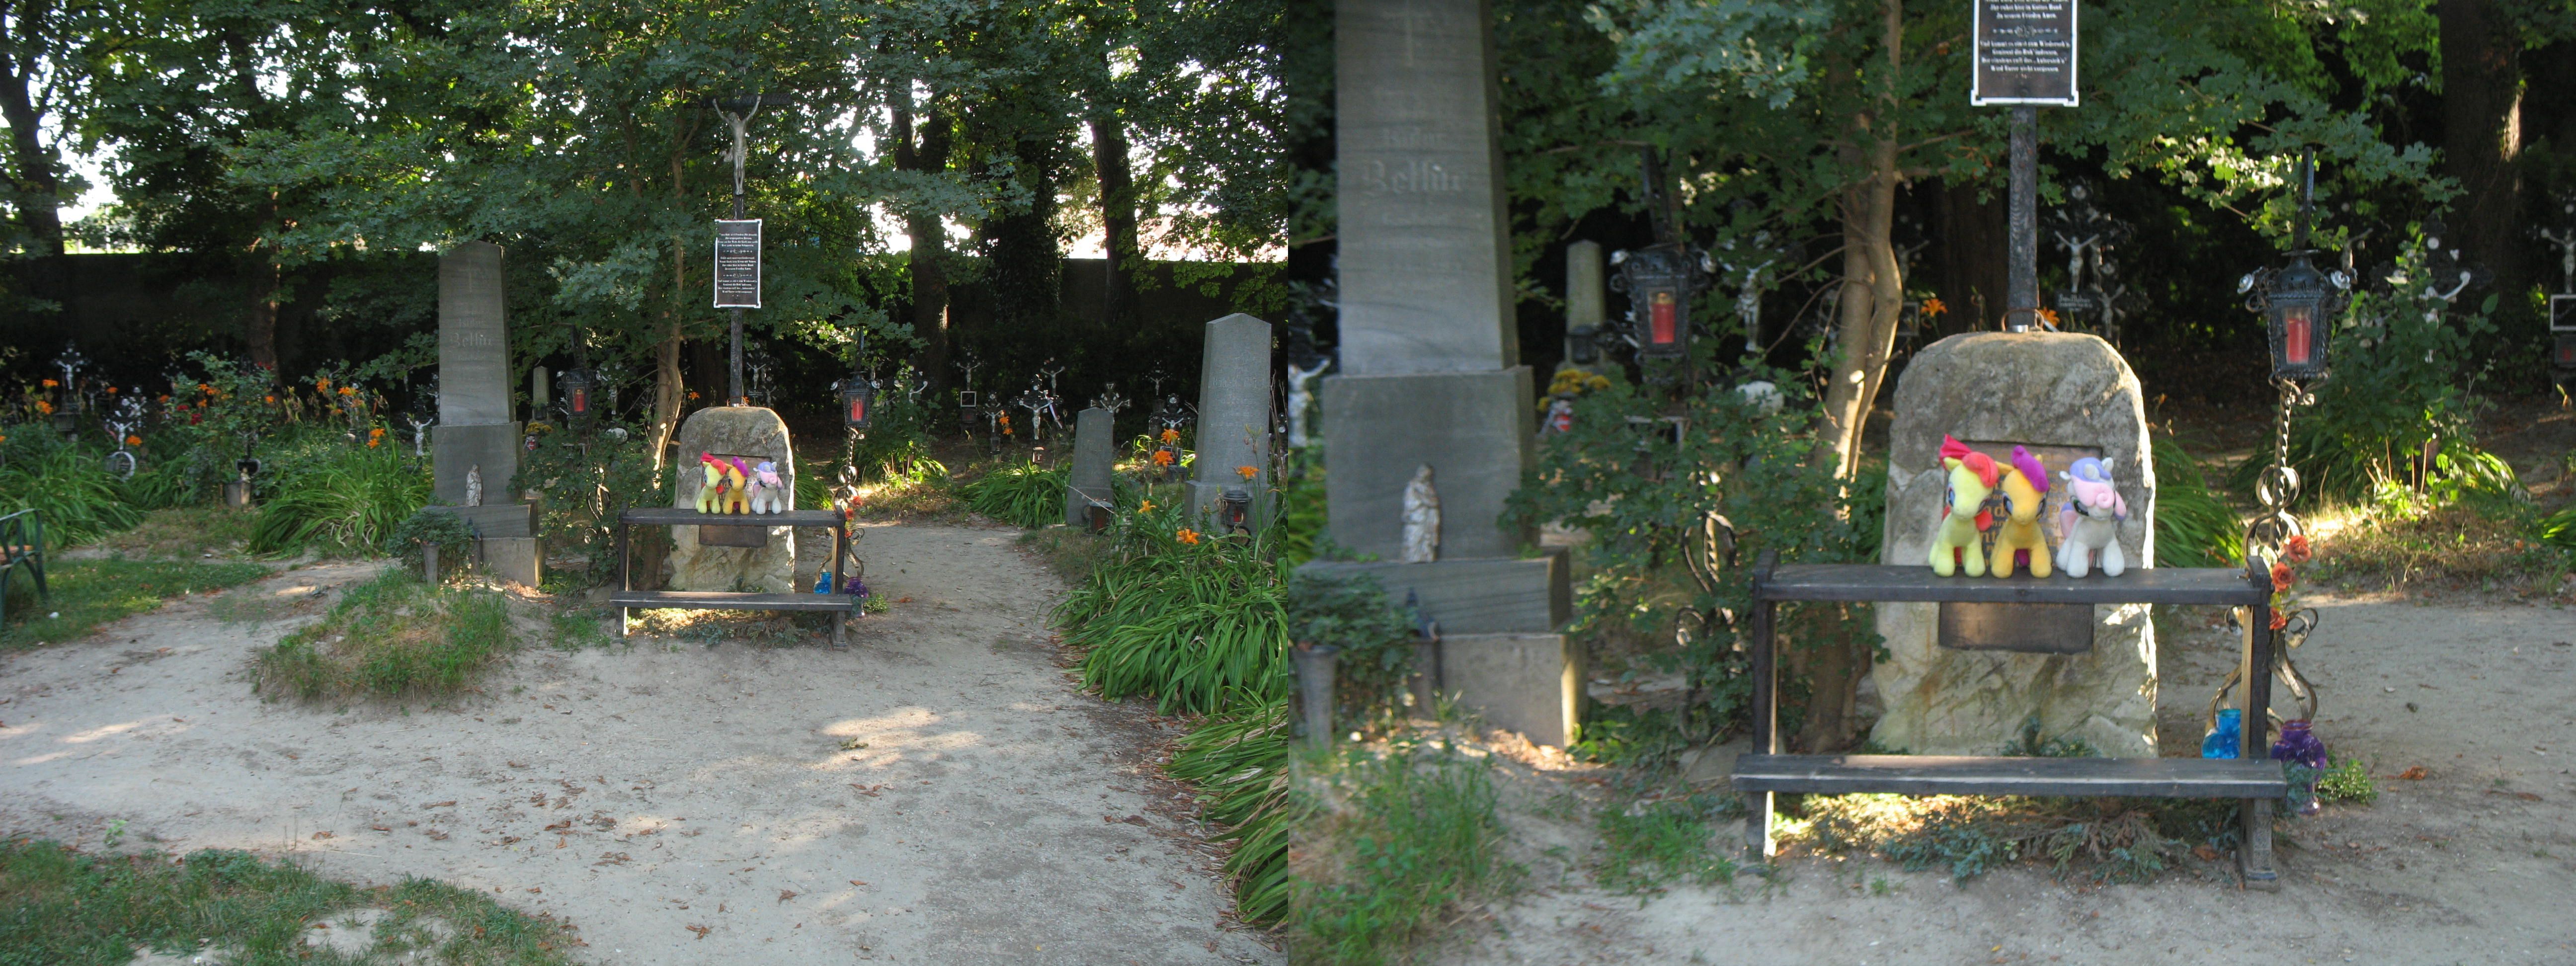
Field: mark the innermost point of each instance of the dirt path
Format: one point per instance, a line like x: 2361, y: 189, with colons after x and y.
x: 2475, y: 863
x: 680, y: 803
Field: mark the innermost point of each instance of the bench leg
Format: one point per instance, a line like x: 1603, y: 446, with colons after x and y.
x: 625, y: 624
x: 1757, y: 827
x: 840, y: 629
x: 2254, y: 858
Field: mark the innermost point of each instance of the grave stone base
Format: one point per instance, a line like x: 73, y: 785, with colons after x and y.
x: 1529, y: 683
x: 456, y: 450
x: 1473, y: 428
x: 1490, y: 596
x: 746, y: 431
x: 519, y: 560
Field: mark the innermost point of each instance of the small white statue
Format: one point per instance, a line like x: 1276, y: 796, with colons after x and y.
x: 474, y: 486
x: 1301, y: 394
x: 1421, y: 518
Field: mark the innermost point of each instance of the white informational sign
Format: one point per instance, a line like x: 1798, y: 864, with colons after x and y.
x: 2025, y: 53
x: 738, y: 263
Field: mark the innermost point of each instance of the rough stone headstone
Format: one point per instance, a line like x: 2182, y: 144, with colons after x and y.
x: 2051, y: 392
x: 1095, y: 459
x: 475, y: 436
x: 1430, y: 371
x: 1234, y: 416
x: 755, y: 434
x: 1584, y: 301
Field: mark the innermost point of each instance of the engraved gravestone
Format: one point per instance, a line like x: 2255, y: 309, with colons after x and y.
x: 475, y: 436
x: 1095, y: 455
x: 1234, y: 416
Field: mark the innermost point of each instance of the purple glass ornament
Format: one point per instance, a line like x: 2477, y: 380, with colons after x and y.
x: 2300, y: 746
x: 855, y: 588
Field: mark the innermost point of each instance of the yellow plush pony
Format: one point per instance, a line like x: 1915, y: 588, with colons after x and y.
x: 2025, y: 488
x: 1958, y: 541
x: 722, y: 492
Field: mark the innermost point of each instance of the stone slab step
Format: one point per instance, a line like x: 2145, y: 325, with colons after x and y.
x: 1963, y: 775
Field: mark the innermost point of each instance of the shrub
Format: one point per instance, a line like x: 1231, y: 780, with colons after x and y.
x: 1351, y: 612
x: 1393, y: 840
x: 328, y: 495
x: 2194, y: 525
x: 1188, y: 620
x: 391, y: 637
x: 1024, y: 495
x: 589, y: 479
x: 66, y: 484
x: 1239, y: 760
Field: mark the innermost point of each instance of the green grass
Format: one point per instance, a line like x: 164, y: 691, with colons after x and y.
x: 1396, y: 841
x: 59, y: 906
x: 88, y: 593
x: 2194, y: 525
x: 1649, y: 845
x: 578, y: 629
x: 1239, y: 761
x: 1023, y: 495
x: 2347, y: 780
x: 66, y: 486
x: 391, y: 637
x: 184, y: 531
x: 343, y: 499
x: 1187, y: 623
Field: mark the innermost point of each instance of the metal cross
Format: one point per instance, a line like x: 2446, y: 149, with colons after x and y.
x: 2565, y: 239
x: 1109, y: 399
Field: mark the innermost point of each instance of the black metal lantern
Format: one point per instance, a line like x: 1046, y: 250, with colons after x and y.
x: 858, y: 401
x: 2297, y: 301
x: 1582, y: 343
x: 578, y: 384
x: 1659, y: 281
x: 1234, y: 510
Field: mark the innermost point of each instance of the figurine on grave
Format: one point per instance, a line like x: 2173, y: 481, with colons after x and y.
x: 474, y: 485
x: 2090, y: 521
x: 1421, y: 518
x: 1301, y: 394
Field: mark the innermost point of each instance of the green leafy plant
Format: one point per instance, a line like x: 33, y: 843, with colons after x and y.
x: 2347, y: 780
x: 2194, y: 526
x: 391, y: 637
x: 589, y: 479
x: 1183, y: 616
x: 1024, y: 495
x: 327, y: 494
x: 1648, y: 844
x: 65, y: 484
x: 1351, y: 613
x: 1391, y: 841
x: 1239, y: 760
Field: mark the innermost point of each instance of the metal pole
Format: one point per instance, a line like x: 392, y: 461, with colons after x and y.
x: 740, y: 122
x: 2021, y: 292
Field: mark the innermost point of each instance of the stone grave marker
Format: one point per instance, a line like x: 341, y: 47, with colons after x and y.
x: 2060, y: 395
x: 475, y: 436
x: 749, y: 556
x: 1095, y: 456
x: 1235, y: 416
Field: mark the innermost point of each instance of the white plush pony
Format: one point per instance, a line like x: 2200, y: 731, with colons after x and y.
x: 768, y: 495
x: 2090, y: 522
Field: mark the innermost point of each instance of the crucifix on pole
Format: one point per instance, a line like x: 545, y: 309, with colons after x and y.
x: 738, y: 240
x: 2025, y: 58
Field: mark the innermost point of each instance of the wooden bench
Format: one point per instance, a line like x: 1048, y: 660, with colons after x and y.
x: 837, y: 604
x: 2253, y: 778
x: 22, y: 547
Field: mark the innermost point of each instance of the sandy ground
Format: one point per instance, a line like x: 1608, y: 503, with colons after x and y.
x: 2476, y: 863
x: 677, y: 802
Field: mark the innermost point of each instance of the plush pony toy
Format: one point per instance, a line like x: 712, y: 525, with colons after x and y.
x: 2090, y: 522
x: 737, y: 495
x: 768, y: 495
x: 2019, y: 537
x: 1958, y: 541
x: 711, y: 492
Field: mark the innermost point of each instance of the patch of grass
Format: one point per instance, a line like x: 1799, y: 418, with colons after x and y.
x: 2109, y: 839
x: 1182, y: 620
x: 1072, y: 554
x: 2487, y: 546
x: 2347, y: 780
x: 391, y: 637
x: 578, y: 629
x: 1650, y: 844
x: 184, y: 531
x: 58, y: 905
x: 755, y: 628
x: 1023, y: 495
x: 1394, y: 840
x: 1239, y: 760
x: 88, y: 593
x: 2194, y: 525
x: 343, y: 499
x: 65, y: 484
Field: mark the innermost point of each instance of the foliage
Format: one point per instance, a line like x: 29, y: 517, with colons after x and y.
x: 1186, y: 617
x: 391, y: 637
x: 59, y: 905
x: 65, y: 484
x: 2402, y: 369
x: 2194, y: 525
x: 2467, y: 545
x: 1023, y: 495
x: 2116, y: 840
x: 324, y: 493
x: 1394, y: 839
x: 2347, y: 780
x: 88, y: 593
x: 1641, y: 495
x: 1352, y: 613
x: 1648, y: 844
x: 589, y: 479
x: 2031, y: 745
x: 1239, y: 761
x: 2559, y: 529
x: 1620, y: 735
x: 438, y: 526
x: 1300, y: 525
x: 196, y: 531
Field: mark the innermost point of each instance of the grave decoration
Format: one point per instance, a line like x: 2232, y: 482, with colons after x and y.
x: 1958, y: 540
x: 2088, y: 525
x: 2018, y: 540
x: 2562, y: 306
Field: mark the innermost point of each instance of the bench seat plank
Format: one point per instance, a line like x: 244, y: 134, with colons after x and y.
x: 2150, y: 585
x: 675, y: 516
x: 1962, y: 775
x: 719, y: 600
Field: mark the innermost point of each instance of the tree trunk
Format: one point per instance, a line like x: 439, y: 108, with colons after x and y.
x: 1873, y: 292
x: 1964, y: 275
x: 2482, y: 134
x: 1117, y: 220
x: 37, y: 189
x: 666, y: 357
x: 259, y: 331
x: 927, y: 154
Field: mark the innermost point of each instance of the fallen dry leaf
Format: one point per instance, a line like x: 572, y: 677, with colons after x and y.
x: 321, y: 835
x: 614, y: 858
x: 2415, y: 774
x: 858, y: 882
x: 559, y: 826
x: 702, y: 931
x: 443, y: 804
x: 518, y: 764
x: 868, y: 790
x: 2204, y: 853
x: 786, y: 894
x: 382, y: 828
x: 1134, y: 820
x: 559, y: 841
x: 507, y: 839
x: 436, y: 835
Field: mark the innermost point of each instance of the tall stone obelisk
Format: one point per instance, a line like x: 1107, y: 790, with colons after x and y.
x: 1430, y: 371
x: 475, y: 437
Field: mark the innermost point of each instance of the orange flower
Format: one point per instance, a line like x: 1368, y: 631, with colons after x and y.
x: 44, y: 407
x: 134, y: 441
x: 49, y: 384
x: 1162, y: 457
x: 272, y: 399
x: 346, y: 391
x: 319, y: 385
x: 373, y: 442
x: 1169, y: 435
x: 693, y: 394
x: 111, y: 390
x: 2280, y: 620
x: 1932, y: 308
x: 2296, y: 549
x: 2050, y: 315
x: 1187, y: 535
x: 2280, y: 577
x: 1246, y: 472
x: 203, y: 388
x: 1145, y: 507
x: 376, y: 433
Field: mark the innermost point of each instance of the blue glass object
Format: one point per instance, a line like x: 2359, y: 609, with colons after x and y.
x: 2228, y: 739
x: 823, y: 582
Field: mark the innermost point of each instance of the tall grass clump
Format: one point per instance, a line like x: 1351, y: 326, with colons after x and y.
x: 391, y: 637
x: 1240, y: 762
x: 1183, y: 616
x: 1394, y: 840
x: 2194, y: 526
x: 1024, y: 495
x: 66, y: 484
x: 327, y: 494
